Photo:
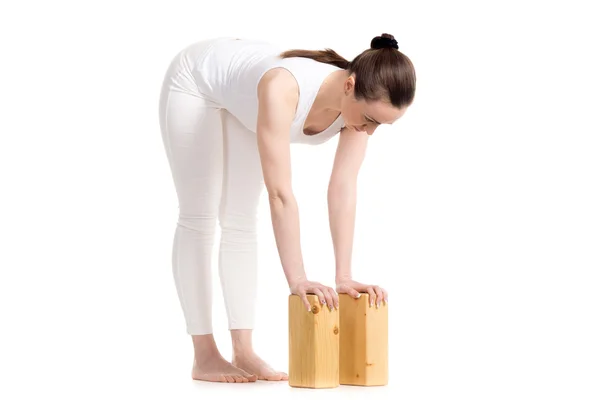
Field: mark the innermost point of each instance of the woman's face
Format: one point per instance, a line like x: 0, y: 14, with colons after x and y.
x: 365, y: 116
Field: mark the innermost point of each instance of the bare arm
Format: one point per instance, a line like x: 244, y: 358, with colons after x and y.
x: 341, y: 197
x: 278, y: 98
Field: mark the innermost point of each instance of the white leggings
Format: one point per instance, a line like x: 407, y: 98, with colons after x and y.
x: 216, y: 170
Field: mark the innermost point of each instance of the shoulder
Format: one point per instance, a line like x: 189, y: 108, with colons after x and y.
x: 278, y: 83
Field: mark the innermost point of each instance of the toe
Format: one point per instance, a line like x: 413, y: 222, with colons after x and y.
x: 246, y: 375
x: 284, y: 376
x: 230, y: 379
x: 274, y: 377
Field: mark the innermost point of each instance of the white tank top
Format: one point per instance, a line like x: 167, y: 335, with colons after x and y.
x: 228, y: 71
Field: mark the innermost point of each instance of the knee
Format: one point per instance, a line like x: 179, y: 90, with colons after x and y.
x: 203, y: 224
x: 239, y: 229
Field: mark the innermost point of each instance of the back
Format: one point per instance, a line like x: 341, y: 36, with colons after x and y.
x: 229, y: 70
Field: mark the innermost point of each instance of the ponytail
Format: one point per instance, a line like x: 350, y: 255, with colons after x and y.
x: 326, y: 56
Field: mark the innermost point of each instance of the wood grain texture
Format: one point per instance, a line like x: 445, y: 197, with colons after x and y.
x: 313, y: 344
x: 363, y: 342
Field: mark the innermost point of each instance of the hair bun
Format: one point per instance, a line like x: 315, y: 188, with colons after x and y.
x: 385, y: 41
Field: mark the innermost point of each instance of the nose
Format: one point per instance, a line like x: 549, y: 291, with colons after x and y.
x: 361, y: 128
x: 365, y: 128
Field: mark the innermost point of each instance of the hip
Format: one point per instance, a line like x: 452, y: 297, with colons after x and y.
x: 184, y: 73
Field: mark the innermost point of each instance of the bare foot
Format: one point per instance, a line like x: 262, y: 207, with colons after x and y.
x: 215, y: 368
x: 253, y: 364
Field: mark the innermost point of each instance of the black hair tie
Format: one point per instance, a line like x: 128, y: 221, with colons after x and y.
x: 382, y: 42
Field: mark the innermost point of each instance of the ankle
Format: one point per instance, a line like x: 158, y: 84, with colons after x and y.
x: 242, y: 352
x: 241, y: 342
x: 205, y: 348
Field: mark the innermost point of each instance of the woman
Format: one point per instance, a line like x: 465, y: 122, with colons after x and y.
x: 229, y: 110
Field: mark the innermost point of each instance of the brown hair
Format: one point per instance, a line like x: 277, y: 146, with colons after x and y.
x: 381, y: 72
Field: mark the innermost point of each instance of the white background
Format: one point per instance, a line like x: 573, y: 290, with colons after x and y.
x: 478, y: 211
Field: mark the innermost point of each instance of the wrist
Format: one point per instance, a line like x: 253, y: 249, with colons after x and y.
x: 293, y: 281
x: 342, y: 278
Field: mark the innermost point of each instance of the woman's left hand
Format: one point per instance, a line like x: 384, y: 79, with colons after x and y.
x: 377, y: 294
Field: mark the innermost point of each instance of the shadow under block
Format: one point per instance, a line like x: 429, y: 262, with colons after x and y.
x: 313, y: 344
x: 363, y: 342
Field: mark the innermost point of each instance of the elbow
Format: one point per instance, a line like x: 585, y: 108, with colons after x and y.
x: 341, y: 193
x: 340, y: 196
x: 341, y: 188
x: 280, y: 196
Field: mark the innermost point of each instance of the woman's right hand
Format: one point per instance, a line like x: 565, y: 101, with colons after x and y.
x: 326, y: 294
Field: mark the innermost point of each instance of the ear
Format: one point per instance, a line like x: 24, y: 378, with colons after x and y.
x: 349, y: 85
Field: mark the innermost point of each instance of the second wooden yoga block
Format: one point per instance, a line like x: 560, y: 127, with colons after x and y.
x: 313, y: 344
x: 363, y: 342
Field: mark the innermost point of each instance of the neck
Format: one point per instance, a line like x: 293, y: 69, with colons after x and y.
x: 332, y: 91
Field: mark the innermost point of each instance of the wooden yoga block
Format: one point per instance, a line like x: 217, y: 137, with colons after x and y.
x: 313, y: 344
x: 363, y: 342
